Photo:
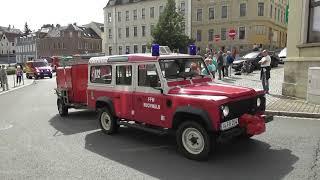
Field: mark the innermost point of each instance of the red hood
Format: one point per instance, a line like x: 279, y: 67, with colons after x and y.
x: 214, y: 90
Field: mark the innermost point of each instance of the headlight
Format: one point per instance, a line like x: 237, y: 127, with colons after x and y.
x: 258, y: 102
x: 225, y: 111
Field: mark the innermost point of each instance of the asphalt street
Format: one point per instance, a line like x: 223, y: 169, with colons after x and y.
x: 35, y: 143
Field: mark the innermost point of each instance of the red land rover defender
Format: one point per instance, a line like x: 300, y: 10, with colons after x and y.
x: 160, y: 94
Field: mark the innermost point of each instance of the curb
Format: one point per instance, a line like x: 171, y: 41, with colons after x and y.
x: 16, y: 88
x: 293, y: 114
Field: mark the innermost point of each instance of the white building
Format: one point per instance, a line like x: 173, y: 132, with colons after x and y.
x: 128, y: 24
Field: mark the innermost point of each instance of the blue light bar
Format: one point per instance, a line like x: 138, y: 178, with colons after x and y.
x: 155, y: 50
x: 193, y: 49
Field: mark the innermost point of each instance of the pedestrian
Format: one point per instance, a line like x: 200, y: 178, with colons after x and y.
x: 225, y: 65
x: 4, y: 78
x: 230, y: 60
x: 19, y: 74
x: 265, y: 70
x: 220, y: 63
x: 211, y: 68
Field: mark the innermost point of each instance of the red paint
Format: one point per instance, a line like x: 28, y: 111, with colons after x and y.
x: 254, y: 124
x: 156, y: 108
x: 232, y: 33
x: 217, y: 38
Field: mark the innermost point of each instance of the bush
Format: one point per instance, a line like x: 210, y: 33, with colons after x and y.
x: 11, y: 70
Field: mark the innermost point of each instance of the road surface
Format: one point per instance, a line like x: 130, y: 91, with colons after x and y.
x: 35, y: 143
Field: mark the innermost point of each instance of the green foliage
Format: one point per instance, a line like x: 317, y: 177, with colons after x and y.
x: 27, y: 31
x: 169, y: 29
x: 11, y: 70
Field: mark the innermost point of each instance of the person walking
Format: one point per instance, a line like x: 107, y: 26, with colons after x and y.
x: 225, y: 65
x: 265, y: 70
x: 4, y: 78
x: 19, y: 74
x: 230, y: 60
x: 220, y: 63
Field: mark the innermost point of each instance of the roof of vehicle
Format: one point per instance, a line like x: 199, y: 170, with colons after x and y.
x: 132, y: 58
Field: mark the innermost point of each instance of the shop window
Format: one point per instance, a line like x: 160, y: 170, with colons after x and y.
x: 314, y: 22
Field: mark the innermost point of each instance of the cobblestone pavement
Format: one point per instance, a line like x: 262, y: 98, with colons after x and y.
x: 275, y: 100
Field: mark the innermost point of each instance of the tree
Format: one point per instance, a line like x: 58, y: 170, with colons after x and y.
x: 27, y: 31
x: 169, y: 29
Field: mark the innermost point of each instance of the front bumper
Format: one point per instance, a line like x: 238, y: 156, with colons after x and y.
x: 248, y: 124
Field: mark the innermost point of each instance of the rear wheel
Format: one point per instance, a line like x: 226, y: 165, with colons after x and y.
x: 193, y: 141
x: 107, y: 122
x: 62, y: 108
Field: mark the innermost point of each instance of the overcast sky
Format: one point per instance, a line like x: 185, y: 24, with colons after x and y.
x: 39, y: 12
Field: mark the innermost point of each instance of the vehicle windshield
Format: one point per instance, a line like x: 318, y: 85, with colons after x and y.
x: 183, y: 68
x: 251, y: 55
x: 39, y: 64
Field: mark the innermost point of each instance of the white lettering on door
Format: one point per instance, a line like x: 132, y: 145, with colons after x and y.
x: 151, y: 106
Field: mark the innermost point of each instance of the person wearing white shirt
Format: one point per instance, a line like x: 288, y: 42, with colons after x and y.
x: 265, y: 70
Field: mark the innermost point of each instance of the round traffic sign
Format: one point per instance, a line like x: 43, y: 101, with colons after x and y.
x: 217, y: 37
x: 232, y: 33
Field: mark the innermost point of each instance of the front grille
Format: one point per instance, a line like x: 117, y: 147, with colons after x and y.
x: 241, y: 107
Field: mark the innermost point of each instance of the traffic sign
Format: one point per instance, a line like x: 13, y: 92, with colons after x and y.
x: 232, y: 33
x: 217, y: 38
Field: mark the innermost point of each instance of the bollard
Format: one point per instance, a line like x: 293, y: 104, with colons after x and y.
x: 22, y: 78
x: 14, y: 81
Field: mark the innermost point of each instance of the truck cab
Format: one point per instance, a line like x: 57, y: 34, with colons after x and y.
x: 171, y: 93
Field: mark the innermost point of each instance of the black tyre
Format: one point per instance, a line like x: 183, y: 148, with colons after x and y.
x: 108, y: 122
x: 62, y: 108
x: 193, y: 141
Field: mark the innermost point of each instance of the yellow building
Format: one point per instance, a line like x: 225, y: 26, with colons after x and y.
x: 255, y: 22
x: 303, y: 47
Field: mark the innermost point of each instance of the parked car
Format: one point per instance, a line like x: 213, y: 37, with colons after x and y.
x: 38, y: 69
x: 253, y: 59
x: 282, y: 55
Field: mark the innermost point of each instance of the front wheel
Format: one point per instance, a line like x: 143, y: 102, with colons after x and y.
x: 193, y: 141
x: 107, y: 122
x: 62, y: 108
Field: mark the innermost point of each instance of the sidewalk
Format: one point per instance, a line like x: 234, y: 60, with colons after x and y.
x: 13, y: 85
x: 276, y: 103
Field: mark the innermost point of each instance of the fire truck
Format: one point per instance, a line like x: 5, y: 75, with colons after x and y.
x: 163, y: 93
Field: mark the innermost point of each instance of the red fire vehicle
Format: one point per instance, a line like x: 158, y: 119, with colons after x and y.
x: 162, y: 94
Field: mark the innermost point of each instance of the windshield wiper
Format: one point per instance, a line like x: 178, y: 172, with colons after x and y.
x: 174, y: 76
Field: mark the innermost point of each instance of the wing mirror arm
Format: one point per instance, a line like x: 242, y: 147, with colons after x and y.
x: 159, y: 89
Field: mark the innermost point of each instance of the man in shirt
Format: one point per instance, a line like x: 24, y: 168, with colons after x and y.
x: 210, y: 66
x: 265, y: 70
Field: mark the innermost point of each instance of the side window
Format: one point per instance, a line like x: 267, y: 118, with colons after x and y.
x: 124, y: 75
x: 148, y: 76
x: 101, y: 74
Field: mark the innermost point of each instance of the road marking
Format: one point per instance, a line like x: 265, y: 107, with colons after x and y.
x: 6, y: 127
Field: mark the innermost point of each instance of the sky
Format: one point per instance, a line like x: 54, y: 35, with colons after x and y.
x: 39, y: 12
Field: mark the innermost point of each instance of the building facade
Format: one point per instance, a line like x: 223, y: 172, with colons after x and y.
x: 260, y: 22
x: 128, y: 25
x: 7, y: 43
x: 67, y: 40
x: 303, y: 46
x: 26, y: 48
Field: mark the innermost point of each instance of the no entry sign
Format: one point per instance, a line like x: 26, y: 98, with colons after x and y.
x: 232, y: 33
x: 217, y: 38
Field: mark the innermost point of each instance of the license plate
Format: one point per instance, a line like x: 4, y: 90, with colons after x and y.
x: 229, y: 124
